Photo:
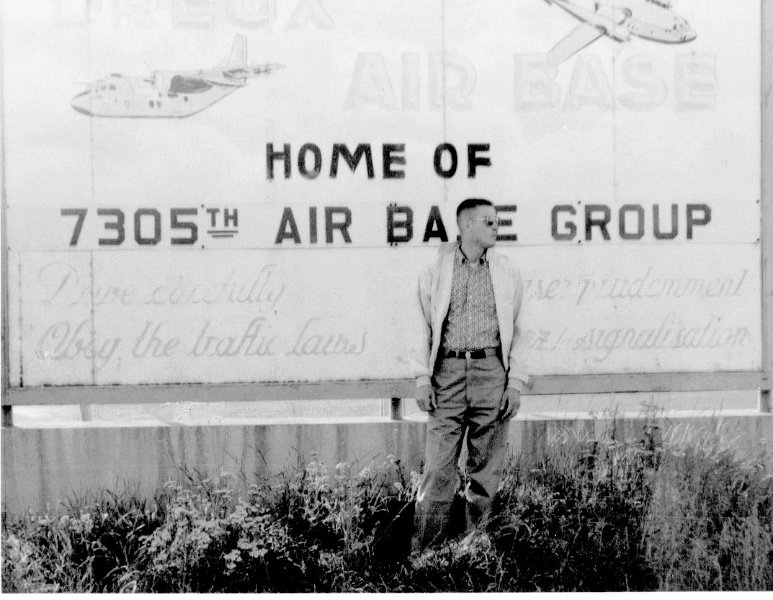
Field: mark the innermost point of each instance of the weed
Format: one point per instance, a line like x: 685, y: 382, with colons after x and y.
x: 649, y: 509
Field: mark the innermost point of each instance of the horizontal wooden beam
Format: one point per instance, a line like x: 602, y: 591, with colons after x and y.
x: 650, y: 382
x: 379, y: 388
x: 215, y: 392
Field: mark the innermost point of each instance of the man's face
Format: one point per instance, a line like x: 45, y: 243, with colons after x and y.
x: 481, y: 226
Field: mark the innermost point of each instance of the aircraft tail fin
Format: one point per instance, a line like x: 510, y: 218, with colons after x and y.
x: 238, y: 57
x: 234, y: 70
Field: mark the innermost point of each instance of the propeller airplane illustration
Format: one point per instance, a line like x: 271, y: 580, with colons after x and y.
x: 170, y: 93
x: 653, y: 20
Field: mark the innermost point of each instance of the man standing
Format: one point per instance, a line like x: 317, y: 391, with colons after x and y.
x: 464, y: 363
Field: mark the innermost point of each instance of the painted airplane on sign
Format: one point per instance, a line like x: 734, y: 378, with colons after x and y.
x: 170, y: 93
x: 652, y: 20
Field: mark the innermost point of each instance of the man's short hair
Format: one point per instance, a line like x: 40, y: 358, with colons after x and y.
x: 471, y: 203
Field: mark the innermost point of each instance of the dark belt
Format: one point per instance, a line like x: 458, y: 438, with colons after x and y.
x: 482, y: 353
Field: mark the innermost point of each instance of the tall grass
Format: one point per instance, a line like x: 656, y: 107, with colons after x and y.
x: 624, y: 510
x: 712, y: 518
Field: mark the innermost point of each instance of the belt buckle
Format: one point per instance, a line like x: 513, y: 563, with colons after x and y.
x: 468, y: 354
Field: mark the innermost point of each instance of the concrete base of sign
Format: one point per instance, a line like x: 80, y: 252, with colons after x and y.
x: 44, y: 465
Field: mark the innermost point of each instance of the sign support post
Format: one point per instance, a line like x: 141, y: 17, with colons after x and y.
x: 766, y: 200
x: 6, y: 368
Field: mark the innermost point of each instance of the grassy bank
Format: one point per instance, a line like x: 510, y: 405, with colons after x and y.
x: 655, y: 511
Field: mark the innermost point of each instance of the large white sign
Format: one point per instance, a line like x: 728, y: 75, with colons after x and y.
x: 246, y: 191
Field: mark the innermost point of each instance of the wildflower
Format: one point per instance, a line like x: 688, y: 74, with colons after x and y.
x: 231, y: 559
x: 14, y: 546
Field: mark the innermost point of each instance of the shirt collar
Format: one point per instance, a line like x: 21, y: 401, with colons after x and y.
x: 462, y: 259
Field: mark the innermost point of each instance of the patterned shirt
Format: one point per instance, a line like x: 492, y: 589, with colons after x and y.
x: 471, y: 323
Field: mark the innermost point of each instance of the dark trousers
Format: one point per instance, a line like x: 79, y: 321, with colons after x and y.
x: 468, y: 392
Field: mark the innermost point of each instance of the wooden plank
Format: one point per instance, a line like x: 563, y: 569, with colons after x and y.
x: 387, y: 388
x: 767, y: 199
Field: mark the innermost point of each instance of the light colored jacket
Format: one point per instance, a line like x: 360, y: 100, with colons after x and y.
x: 434, y: 299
